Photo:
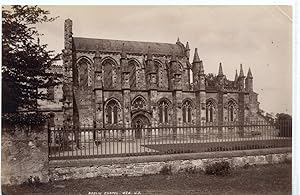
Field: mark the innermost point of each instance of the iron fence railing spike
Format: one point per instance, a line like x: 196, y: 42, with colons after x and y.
x: 88, y: 141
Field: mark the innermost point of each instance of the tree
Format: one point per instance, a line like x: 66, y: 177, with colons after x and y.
x: 25, y: 59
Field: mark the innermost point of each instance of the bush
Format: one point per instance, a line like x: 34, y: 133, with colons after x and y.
x: 33, y: 181
x: 166, y: 170
x: 191, y: 170
x: 218, y: 168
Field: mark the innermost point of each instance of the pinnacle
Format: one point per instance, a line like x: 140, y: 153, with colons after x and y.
x: 220, y: 70
x: 241, y: 71
x: 249, y: 75
x: 187, y: 47
x: 236, y: 76
x: 201, y: 68
x: 196, y: 56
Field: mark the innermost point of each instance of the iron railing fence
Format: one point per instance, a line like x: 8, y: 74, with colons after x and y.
x: 91, y: 142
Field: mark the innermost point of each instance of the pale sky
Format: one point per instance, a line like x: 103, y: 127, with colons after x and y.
x: 259, y: 37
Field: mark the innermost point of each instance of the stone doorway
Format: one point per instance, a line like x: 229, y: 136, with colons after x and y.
x: 139, y: 122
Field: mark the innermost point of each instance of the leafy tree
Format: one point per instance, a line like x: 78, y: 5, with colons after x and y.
x: 25, y: 59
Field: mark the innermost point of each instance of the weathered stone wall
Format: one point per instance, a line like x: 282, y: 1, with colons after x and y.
x: 167, y: 76
x: 138, y: 166
x: 23, y: 156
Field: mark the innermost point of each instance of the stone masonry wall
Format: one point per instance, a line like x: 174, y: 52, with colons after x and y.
x: 23, y: 156
x: 81, y: 169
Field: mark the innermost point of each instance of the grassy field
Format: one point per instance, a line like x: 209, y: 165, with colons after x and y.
x: 267, y: 179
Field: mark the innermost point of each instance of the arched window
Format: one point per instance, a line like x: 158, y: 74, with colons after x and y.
x: 132, y: 77
x: 112, y: 110
x: 231, y: 111
x: 210, y: 111
x: 84, y: 72
x: 187, y: 111
x: 108, y: 73
x: 162, y: 75
x: 163, y: 111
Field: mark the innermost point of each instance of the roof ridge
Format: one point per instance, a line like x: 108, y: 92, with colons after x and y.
x: 138, y: 47
x: 124, y: 40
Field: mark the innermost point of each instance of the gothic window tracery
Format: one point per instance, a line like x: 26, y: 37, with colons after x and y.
x: 109, y: 73
x: 231, y: 111
x: 187, y: 111
x: 210, y: 111
x: 139, y: 103
x: 162, y: 74
x: 163, y: 107
x: 112, y: 112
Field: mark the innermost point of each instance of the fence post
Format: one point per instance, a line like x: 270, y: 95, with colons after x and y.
x: 174, y: 132
x: 198, y: 128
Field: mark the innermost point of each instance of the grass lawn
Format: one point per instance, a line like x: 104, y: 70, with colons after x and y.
x: 220, y: 146
x: 267, y: 179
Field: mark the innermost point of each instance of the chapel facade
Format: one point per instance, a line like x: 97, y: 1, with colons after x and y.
x: 114, y: 83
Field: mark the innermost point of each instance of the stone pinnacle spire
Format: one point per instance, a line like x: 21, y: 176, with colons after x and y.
x: 249, y: 75
x: 178, y: 41
x: 201, y: 70
x: 220, y: 70
x: 236, y: 76
x: 241, y: 71
x: 187, y: 47
x: 196, y: 56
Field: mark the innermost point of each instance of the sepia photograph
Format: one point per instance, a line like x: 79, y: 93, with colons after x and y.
x: 147, y: 99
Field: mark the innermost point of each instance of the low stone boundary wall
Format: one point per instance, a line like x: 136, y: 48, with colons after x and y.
x: 24, y: 156
x: 144, y: 165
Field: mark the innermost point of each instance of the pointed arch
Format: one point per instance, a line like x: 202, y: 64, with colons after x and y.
x: 138, y: 103
x: 112, y: 108
x: 110, y: 59
x: 187, y: 108
x: 162, y: 74
x: 133, y: 65
x: 136, y: 61
x: 211, y: 110
x: 85, y: 58
x: 109, y: 72
x: 164, y: 110
x: 83, y: 71
x: 232, y: 108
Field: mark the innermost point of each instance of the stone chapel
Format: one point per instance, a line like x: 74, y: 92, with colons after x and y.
x: 115, y: 83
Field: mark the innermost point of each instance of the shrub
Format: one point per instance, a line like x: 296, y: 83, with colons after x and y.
x: 33, y: 181
x: 166, y: 170
x: 218, y: 168
x: 246, y: 166
x: 190, y: 170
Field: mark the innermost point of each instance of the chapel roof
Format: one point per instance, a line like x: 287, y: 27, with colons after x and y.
x: 131, y: 47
